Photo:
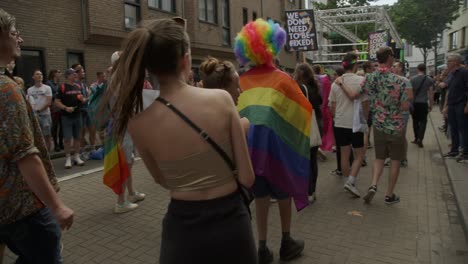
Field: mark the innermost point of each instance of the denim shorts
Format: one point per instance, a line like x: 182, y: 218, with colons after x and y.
x: 45, y: 121
x: 85, y: 119
x: 71, y: 127
x: 34, y: 239
x: 262, y: 188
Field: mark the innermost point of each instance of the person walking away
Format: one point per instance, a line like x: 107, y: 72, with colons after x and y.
x: 398, y: 68
x: 281, y: 169
x: 456, y: 108
x: 345, y: 90
x: 423, y: 102
x: 69, y: 100
x: 327, y: 119
x: 206, y: 218
x: 388, y: 99
x: 305, y: 78
x: 42, y: 95
x: 31, y: 213
x: 57, y: 133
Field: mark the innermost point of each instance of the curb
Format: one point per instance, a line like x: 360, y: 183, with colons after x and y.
x: 463, y: 210
x: 61, y: 154
x: 86, y: 172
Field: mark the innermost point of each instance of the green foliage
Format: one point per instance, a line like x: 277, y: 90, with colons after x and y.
x: 421, y: 22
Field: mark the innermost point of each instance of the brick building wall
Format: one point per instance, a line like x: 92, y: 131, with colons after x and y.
x: 94, y: 29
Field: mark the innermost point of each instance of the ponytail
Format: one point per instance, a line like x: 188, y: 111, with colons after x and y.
x: 125, y: 91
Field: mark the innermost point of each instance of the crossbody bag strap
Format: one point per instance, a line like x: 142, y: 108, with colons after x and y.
x: 202, y: 133
x: 420, y: 86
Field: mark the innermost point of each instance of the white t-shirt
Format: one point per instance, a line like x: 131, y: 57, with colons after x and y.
x: 344, y: 112
x: 40, y: 96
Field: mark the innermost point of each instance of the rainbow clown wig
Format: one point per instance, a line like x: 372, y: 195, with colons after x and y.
x: 259, y: 42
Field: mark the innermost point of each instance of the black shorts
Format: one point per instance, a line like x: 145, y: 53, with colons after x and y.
x: 346, y: 137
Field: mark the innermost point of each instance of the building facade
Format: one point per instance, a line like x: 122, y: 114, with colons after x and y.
x: 456, y: 38
x: 58, y: 34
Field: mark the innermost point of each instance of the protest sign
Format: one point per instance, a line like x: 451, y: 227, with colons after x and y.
x: 377, y: 40
x: 300, y: 28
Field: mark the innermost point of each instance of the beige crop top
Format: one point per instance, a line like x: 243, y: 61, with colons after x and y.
x: 197, y: 171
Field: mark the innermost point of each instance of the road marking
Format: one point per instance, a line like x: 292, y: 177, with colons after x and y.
x: 84, y: 173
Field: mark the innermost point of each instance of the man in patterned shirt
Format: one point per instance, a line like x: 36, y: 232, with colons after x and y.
x: 28, y: 198
x: 388, y: 100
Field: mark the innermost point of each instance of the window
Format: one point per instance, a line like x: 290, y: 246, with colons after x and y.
x: 207, y: 10
x: 166, y: 5
x: 31, y: 59
x: 75, y: 57
x: 453, y: 40
x: 254, y: 15
x: 245, y: 15
x: 226, y: 24
x: 132, y: 13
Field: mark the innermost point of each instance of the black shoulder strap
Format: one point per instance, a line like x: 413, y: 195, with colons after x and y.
x: 202, y: 133
x: 420, y: 86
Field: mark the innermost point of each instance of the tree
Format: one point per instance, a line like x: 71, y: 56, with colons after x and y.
x: 416, y: 21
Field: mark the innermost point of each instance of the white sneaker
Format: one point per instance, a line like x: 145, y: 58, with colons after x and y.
x: 352, y: 189
x: 125, y: 207
x: 77, y: 160
x: 312, y: 198
x: 136, y: 197
x: 68, y: 163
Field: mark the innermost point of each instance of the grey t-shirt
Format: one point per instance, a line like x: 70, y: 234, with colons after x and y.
x: 421, y: 96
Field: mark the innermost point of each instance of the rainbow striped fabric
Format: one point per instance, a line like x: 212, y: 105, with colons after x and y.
x: 116, y: 169
x: 278, y: 138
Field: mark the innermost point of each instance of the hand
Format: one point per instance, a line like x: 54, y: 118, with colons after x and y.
x: 339, y: 81
x: 69, y: 109
x: 466, y: 109
x: 64, y: 216
x: 445, y: 112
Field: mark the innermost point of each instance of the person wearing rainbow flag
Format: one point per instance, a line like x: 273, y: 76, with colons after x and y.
x: 278, y: 138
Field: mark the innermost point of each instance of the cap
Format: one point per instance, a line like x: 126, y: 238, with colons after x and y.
x: 115, y: 56
x: 69, y: 72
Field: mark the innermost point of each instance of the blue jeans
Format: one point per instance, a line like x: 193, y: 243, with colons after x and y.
x: 458, y: 122
x: 35, y: 238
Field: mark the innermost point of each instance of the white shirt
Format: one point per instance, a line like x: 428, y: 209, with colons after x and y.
x: 40, y: 96
x: 344, y: 112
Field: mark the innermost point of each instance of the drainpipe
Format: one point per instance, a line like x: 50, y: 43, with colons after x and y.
x: 261, y: 8
x: 183, y: 9
x: 84, y: 20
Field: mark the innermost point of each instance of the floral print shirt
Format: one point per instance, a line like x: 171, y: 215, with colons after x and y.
x: 387, y: 92
x: 20, y: 136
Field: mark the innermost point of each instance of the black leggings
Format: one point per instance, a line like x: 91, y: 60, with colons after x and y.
x: 313, y: 170
x: 211, y: 231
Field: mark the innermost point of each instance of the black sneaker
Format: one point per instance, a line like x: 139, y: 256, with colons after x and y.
x: 370, y: 194
x: 451, y: 155
x: 265, y: 256
x: 463, y: 158
x: 392, y: 199
x: 291, y: 249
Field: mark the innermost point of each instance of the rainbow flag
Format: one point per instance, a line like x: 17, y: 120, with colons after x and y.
x: 278, y: 138
x: 116, y: 169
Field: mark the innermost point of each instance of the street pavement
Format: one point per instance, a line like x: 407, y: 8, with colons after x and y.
x: 423, y: 228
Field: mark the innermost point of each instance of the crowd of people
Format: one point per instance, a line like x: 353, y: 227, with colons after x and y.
x: 270, y: 128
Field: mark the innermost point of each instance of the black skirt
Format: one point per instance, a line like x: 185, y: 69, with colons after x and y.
x: 211, y: 231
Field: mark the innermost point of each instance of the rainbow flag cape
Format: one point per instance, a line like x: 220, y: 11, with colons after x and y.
x: 278, y: 138
x: 116, y: 169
